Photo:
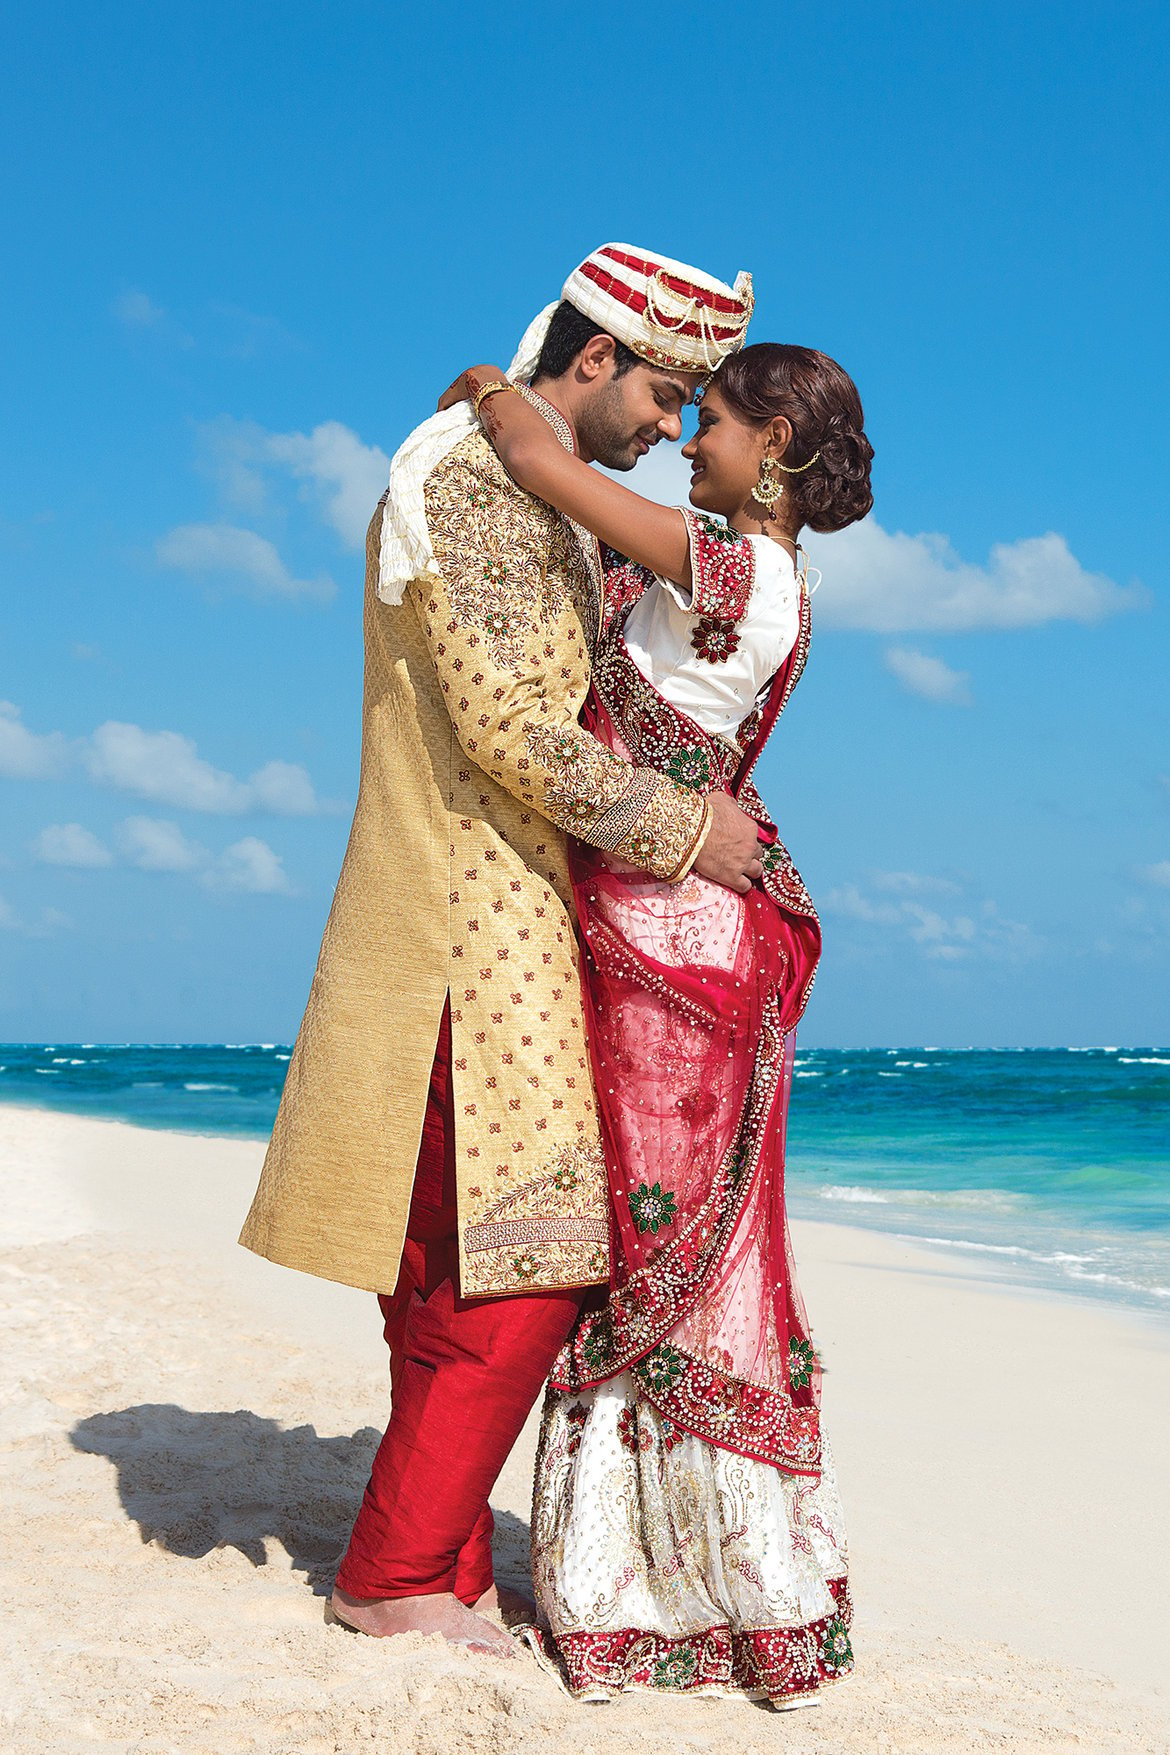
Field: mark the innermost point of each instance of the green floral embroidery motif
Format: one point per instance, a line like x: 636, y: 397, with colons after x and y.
x: 719, y: 532
x: 737, y: 1162
x: 524, y: 1266
x: 566, y: 1178
x: 479, y: 499
x: 836, y: 1652
x: 690, y: 767
x: 675, y: 1669
x: 663, y: 1367
x: 495, y: 572
x: 597, y: 1344
x: 801, y: 1362
x: 651, y: 1208
x: 598, y: 1264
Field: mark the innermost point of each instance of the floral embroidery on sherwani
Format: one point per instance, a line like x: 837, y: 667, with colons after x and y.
x: 505, y: 613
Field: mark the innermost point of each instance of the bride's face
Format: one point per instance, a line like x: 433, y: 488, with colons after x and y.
x: 725, y: 457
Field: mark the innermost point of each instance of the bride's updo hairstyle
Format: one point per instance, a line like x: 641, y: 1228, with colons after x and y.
x: 821, y: 402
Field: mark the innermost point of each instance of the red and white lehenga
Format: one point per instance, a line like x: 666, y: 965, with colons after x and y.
x: 687, y: 1532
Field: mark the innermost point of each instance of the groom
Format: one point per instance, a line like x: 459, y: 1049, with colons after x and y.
x: 437, y: 1140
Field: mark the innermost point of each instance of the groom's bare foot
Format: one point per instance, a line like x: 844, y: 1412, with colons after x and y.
x: 443, y: 1613
x: 510, y: 1605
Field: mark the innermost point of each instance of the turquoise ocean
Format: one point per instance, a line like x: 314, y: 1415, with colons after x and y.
x: 1053, y: 1165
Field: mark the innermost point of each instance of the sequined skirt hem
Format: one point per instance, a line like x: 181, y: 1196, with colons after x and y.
x: 779, y: 1664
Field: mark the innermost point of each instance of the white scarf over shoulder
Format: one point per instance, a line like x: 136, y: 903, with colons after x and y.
x: 406, y: 551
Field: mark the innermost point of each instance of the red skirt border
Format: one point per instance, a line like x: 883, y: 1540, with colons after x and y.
x: 773, y: 1663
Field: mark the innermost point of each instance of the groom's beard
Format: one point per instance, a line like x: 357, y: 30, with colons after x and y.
x: 604, y: 429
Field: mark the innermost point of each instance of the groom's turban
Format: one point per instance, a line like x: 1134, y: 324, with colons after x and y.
x: 664, y: 311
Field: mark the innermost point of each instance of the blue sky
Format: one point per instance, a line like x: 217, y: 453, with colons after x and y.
x: 246, y: 247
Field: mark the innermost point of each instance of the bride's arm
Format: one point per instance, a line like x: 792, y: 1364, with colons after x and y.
x: 654, y: 535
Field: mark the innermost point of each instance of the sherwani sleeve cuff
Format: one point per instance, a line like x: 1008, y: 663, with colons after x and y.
x: 696, y: 847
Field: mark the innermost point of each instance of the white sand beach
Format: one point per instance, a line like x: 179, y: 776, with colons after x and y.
x: 185, y: 1433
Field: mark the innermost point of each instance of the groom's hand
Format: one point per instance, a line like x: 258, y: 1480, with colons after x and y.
x: 731, y: 853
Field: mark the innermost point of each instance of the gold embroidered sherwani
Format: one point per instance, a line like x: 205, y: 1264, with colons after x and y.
x: 456, y: 880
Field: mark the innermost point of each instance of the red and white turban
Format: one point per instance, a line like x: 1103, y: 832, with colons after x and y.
x: 666, y: 312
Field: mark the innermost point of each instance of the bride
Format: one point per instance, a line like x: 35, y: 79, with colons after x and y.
x: 687, y: 1532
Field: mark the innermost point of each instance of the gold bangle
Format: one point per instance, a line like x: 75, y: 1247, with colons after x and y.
x: 490, y: 390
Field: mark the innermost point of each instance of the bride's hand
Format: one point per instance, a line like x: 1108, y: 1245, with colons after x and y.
x: 462, y: 390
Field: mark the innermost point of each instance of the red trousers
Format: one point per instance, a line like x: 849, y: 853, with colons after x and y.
x: 464, y: 1374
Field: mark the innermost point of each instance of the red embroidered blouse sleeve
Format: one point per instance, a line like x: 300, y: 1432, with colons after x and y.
x: 723, y: 568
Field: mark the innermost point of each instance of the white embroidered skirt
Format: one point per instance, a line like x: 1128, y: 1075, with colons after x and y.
x: 661, y: 1561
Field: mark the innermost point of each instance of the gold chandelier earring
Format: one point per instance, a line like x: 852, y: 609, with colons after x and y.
x: 769, y: 489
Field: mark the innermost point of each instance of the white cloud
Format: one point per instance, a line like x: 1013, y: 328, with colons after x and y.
x: 164, y: 766
x: 230, y: 451
x: 167, y: 768
x: 345, y: 475
x: 929, y: 678
x: 914, y: 883
x: 153, y: 844
x: 342, y: 476
x: 941, y: 937
x: 232, y: 332
x: 228, y: 551
x: 137, y: 310
x: 283, y: 788
x: 72, y: 845
x: 49, y: 921
x: 891, y: 583
x: 250, y: 865
x: 1158, y: 874
x: 848, y: 901
x: 25, y: 754
x: 888, y: 583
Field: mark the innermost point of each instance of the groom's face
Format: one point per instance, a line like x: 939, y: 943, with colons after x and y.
x: 626, y: 415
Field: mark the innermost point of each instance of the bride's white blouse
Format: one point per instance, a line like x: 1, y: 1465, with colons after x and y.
x: 660, y: 636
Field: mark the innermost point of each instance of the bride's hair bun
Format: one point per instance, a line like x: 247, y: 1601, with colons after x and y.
x: 820, y: 400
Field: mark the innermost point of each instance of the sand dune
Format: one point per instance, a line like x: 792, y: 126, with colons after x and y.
x: 185, y: 1432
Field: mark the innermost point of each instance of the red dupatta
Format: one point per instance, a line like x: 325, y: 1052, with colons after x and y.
x: 692, y: 998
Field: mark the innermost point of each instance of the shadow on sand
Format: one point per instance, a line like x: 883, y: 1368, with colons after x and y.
x: 193, y: 1482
